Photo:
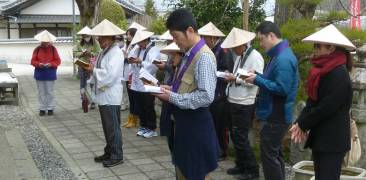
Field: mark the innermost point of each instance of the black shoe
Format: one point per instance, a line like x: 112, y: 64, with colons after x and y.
x: 101, y: 158
x: 112, y: 162
x: 235, y: 170
x: 42, y: 112
x: 50, y: 112
x: 249, y: 176
x: 222, y: 157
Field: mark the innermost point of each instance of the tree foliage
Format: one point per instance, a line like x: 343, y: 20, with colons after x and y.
x: 112, y: 11
x: 158, y: 25
x: 150, y: 9
x: 225, y: 14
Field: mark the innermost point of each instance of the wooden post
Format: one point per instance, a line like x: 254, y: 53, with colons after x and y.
x: 245, y: 6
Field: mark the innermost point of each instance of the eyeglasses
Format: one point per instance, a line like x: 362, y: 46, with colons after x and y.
x: 317, y: 46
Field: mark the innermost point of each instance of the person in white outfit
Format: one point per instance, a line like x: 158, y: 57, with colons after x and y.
x: 107, y: 76
x: 241, y: 97
x: 143, y: 57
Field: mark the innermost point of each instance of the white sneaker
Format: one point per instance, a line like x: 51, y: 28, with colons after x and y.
x: 141, y: 131
x: 150, y: 133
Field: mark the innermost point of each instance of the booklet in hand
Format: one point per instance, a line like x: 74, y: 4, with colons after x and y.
x: 81, y: 63
x: 220, y: 74
x: 152, y: 89
x: 147, y: 78
x: 243, y: 73
x: 159, y: 61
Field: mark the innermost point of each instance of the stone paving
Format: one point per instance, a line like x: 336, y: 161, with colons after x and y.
x: 78, y: 137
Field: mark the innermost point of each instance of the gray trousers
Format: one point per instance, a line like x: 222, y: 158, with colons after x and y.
x: 111, y: 121
x: 46, y: 96
x: 271, y: 136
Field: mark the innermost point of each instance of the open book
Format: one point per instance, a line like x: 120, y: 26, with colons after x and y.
x: 147, y: 78
x: 81, y: 63
x: 152, y: 89
x: 243, y: 73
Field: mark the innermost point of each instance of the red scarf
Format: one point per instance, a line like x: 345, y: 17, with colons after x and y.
x: 321, y: 66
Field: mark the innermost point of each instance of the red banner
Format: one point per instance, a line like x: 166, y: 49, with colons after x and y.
x: 355, y: 8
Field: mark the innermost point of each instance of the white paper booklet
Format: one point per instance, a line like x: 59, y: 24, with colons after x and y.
x: 147, y: 77
x: 243, y: 73
x: 220, y: 74
x: 152, y: 89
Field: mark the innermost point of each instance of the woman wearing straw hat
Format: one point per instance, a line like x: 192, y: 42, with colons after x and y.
x: 166, y: 123
x: 224, y: 62
x: 143, y: 57
x: 107, y: 76
x: 85, y: 51
x: 325, y: 120
x: 45, y: 59
x: 241, y: 101
x: 132, y: 118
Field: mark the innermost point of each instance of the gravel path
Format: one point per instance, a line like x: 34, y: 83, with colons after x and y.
x: 48, y: 161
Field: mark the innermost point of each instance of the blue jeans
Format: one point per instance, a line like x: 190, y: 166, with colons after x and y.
x: 271, y: 136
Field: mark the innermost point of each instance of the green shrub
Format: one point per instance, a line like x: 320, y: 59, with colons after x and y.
x: 112, y: 11
x: 354, y: 35
x: 158, y: 25
x: 333, y: 16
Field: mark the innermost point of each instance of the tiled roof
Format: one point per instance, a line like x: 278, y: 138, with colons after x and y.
x: 44, y: 19
x: 130, y: 6
x: 32, y: 40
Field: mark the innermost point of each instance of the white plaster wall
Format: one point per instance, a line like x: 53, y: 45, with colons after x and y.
x: 14, y: 34
x: 3, y: 34
x: 51, y: 7
x: 22, y: 53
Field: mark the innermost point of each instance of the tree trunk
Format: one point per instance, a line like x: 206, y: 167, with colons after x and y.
x: 245, y: 6
x: 88, y: 12
x: 285, y: 12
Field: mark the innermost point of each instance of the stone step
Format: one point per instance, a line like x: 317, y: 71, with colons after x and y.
x: 20, y: 160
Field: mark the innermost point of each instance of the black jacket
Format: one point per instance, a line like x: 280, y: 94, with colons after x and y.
x: 224, y: 61
x: 328, y: 119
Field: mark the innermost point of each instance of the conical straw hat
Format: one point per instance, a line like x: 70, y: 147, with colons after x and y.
x: 166, y: 36
x: 330, y: 35
x: 172, y: 47
x: 210, y: 30
x: 106, y: 28
x: 237, y: 37
x: 45, y: 36
x: 86, y: 30
x: 137, y: 26
x: 140, y: 36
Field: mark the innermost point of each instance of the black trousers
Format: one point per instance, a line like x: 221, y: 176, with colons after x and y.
x: 271, y: 136
x: 327, y: 165
x: 111, y: 121
x: 132, y: 98
x: 147, y: 114
x: 219, y: 111
x: 240, y: 123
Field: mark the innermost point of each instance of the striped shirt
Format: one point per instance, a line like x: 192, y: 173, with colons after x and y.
x: 205, y: 76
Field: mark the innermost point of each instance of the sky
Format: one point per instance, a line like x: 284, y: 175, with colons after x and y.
x: 162, y: 4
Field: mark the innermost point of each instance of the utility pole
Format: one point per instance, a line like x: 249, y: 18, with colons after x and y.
x: 245, y: 6
x: 73, y: 35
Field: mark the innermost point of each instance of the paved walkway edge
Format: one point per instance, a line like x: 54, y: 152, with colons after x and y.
x: 79, y: 174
